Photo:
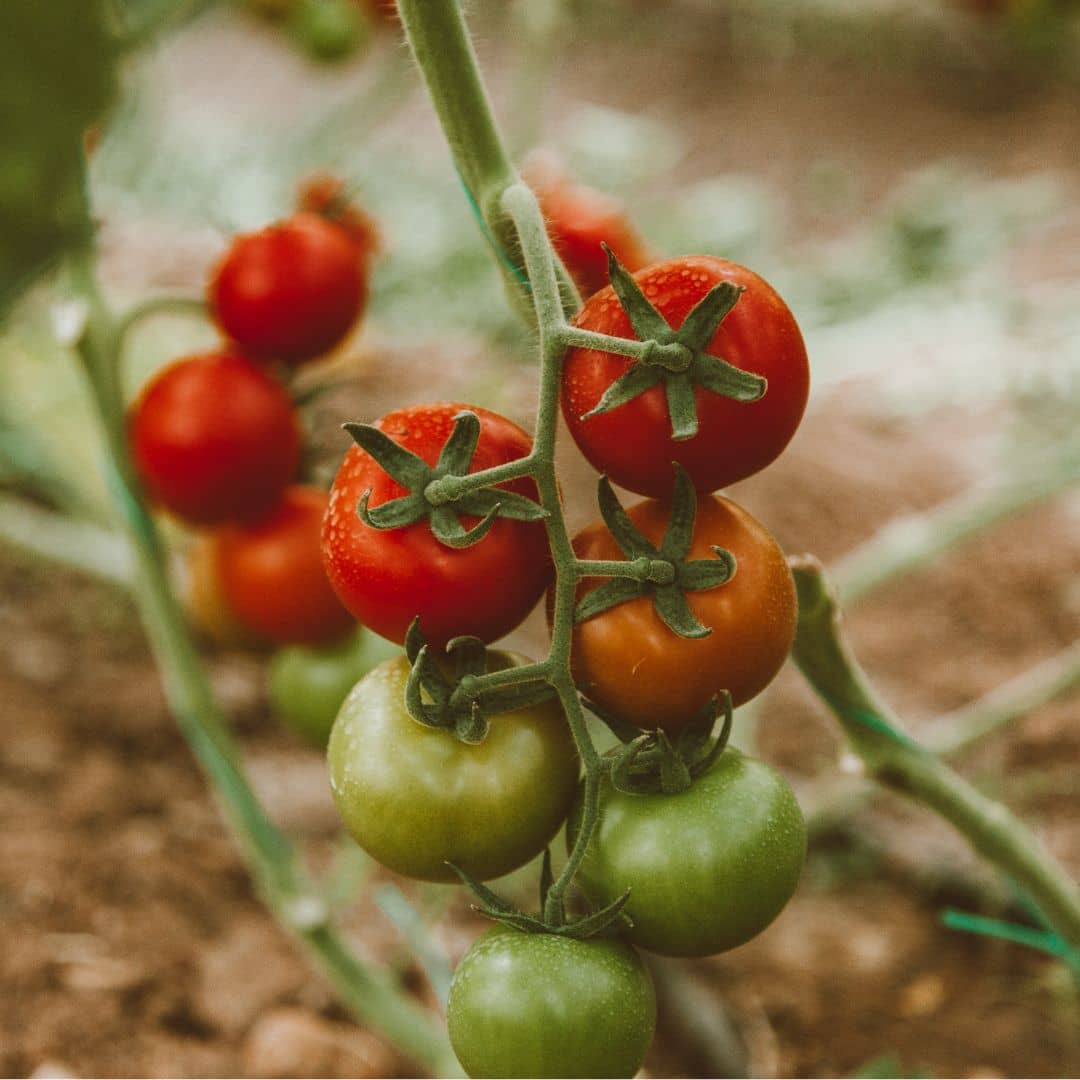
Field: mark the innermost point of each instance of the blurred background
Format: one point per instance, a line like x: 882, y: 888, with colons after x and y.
x: 906, y: 175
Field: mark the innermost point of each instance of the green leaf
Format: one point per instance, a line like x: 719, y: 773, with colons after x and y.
x: 457, y: 453
x: 648, y: 323
x: 708, y: 313
x: 636, y: 380
x: 610, y: 594
x: 622, y: 529
x: 403, y: 465
x: 57, y: 77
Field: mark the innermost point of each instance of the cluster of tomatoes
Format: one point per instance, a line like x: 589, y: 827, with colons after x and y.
x: 708, y: 866
x: 217, y: 442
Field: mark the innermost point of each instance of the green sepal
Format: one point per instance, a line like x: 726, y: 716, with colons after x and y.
x: 608, y: 920
x: 679, y: 534
x: 648, y: 323
x: 490, y: 900
x: 425, y: 676
x: 674, y: 774
x: 414, y: 640
x: 471, y: 725
x: 409, y: 470
x: 610, y: 594
x: 547, y: 878
x: 521, y: 696
x: 507, y: 504
x: 726, y: 379
x: 708, y: 313
x: 457, y: 452
x: 635, y: 381
x: 624, y: 731
x: 703, y: 574
x: 631, y: 543
x: 675, y: 613
x: 446, y: 527
x: 622, y: 765
x: 682, y: 406
x: 469, y: 655
x: 395, y: 514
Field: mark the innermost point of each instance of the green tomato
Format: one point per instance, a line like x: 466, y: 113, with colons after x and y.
x: 542, y: 1005
x: 308, y: 686
x: 415, y: 797
x: 707, y: 868
x: 329, y: 29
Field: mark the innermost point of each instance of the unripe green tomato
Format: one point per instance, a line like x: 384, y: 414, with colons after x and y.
x: 308, y: 686
x: 708, y: 868
x: 329, y: 29
x: 541, y: 1005
x: 415, y: 797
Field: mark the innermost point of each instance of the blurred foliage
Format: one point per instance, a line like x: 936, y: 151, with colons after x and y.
x: 887, y: 1067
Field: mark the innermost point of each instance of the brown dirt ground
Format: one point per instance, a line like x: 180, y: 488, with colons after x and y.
x: 133, y: 944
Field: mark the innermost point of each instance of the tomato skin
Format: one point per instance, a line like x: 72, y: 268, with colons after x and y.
x: 527, y: 1005
x: 387, y: 577
x: 414, y: 797
x: 632, y: 443
x: 708, y: 868
x: 204, y: 600
x: 326, y: 194
x: 272, y: 576
x: 308, y: 686
x: 291, y: 291
x: 629, y: 662
x: 214, y: 438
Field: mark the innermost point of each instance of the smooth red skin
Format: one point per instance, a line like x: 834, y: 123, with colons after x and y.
x: 632, y: 444
x: 629, y: 662
x: 291, y: 291
x: 272, y: 576
x: 579, y: 219
x: 214, y: 438
x: 387, y: 577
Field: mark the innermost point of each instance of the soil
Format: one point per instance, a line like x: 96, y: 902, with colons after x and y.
x: 133, y: 942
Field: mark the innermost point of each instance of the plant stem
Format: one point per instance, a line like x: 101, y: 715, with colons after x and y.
x: 376, y: 999
x: 895, y: 760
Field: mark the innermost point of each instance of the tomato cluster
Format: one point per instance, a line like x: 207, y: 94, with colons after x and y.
x: 445, y: 762
x: 216, y: 438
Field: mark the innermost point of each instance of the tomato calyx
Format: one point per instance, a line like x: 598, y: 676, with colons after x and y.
x: 652, y: 762
x: 437, y: 493
x: 663, y: 572
x: 677, y: 358
x: 607, y: 921
x: 460, y: 691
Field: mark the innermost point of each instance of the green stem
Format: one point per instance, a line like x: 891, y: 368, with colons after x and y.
x: 440, y: 44
x: 377, y: 1000
x: 448, y: 488
x: 575, y: 337
x: 194, y: 306
x: 892, y: 758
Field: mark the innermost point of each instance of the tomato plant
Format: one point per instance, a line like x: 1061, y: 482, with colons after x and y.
x: 272, y: 576
x: 634, y: 443
x: 415, y: 797
x: 708, y: 868
x: 386, y: 577
x: 545, y: 1005
x: 629, y: 662
x: 291, y: 291
x: 214, y: 438
x: 308, y: 686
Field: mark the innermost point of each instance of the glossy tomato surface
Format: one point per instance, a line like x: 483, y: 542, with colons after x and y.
x: 707, y: 868
x: 214, y: 438
x: 309, y: 685
x: 628, y: 661
x: 291, y: 291
x: 526, y: 1005
x: 414, y: 797
x: 632, y: 443
x: 272, y: 575
x: 204, y: 599
x: 387, y: 577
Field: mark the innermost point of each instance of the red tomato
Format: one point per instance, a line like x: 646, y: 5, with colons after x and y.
x: 326, y: 194
x: 272, y: 576
x: 632, y: 443
x: 627, y: 661
x: 205, y: 604
x: 387, y: 577
x: 579, y: 218
x: 291, y: 291
x: 214, y: 438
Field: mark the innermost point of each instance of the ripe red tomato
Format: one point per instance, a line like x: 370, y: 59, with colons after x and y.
x: 579, y: 219
x: 291, y: 291
x: 272, y: 576
x: 632, y: 443
x: 629, y: 662
x: 326, y: 194
x: 205, y: 603
x: 387, y: 577
x: 214, y: 438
